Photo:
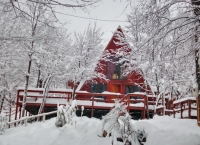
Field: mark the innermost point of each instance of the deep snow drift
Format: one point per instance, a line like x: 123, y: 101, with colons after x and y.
x: 162, y: 130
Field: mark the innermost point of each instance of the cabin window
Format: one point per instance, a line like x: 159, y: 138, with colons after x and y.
x: 133, y: 89
x: 98, y: 88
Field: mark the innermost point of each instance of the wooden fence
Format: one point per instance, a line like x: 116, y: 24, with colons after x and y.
x: 26, y: 118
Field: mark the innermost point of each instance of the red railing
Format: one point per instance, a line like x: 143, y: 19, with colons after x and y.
x: 134, y: 101
x: 185, y: 107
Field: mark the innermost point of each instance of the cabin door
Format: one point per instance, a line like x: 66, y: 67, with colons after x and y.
x: 115, y: 88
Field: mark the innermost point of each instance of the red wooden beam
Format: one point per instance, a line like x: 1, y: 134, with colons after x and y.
x: 92, y: 112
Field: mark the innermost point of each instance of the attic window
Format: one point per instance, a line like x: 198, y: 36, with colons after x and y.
x: 114, y: 70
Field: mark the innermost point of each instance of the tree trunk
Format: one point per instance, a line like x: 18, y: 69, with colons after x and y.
x: 197, y: 13
x: 197, y: 68
x: 38, y: 79
x: 2, y: 101
x: 45, y: 94
x: 10, y: 108
x: 26, y: 87
x: 73, y: 93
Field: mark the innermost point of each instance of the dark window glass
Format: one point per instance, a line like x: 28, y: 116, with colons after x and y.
x: 133, y: 89
x: 114, y: 70
x: 98, y: 88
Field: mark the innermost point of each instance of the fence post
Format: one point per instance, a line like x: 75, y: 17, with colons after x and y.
x: 26, y: 120
x: 43, y: 118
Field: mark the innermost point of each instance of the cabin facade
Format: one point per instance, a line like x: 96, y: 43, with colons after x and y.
x: 113, y: 70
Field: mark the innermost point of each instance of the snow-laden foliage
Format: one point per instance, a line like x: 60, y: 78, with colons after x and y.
x: 2, y: 123
x: 84, y: 56
x: 161, y: 36
x: 35, y: 52
x: 118, y: 124
x: 66, y: 114
x: 82, y: 109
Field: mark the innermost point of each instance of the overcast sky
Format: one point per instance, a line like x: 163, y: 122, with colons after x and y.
x: 105, y: 10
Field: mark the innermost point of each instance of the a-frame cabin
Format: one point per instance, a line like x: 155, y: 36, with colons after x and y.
x: 113, y: 70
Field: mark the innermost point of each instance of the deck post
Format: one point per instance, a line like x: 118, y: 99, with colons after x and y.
x: 92, y: 111
x: 143, y: 113
x: 189, y: 109
x: 181, y: 110
x: 17, y: 105
x: 68, y: 97
x: 16, y: 113
x: 20, y: 111
x: 128, y: 108
x: 147, y: 106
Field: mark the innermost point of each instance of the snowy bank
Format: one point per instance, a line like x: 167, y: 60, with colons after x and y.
x: 161, y: 130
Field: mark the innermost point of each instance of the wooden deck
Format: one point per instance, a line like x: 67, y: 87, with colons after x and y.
x: 99, y: 101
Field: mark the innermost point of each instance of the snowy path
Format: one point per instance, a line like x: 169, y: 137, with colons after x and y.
x: 161, y: 131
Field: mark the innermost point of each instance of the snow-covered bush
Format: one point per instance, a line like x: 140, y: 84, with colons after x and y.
x: 66, y: 114
x: 141, y: 136
x: 118, y: 124
x: 60, y: 120
x: 2, y: 123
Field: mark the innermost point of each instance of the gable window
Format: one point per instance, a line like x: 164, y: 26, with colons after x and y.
x: 115, y: 70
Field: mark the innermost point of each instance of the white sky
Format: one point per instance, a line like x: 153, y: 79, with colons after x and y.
x: 106, y: 10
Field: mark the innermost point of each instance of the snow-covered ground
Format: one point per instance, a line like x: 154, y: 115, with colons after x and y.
x: 162, y: 130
